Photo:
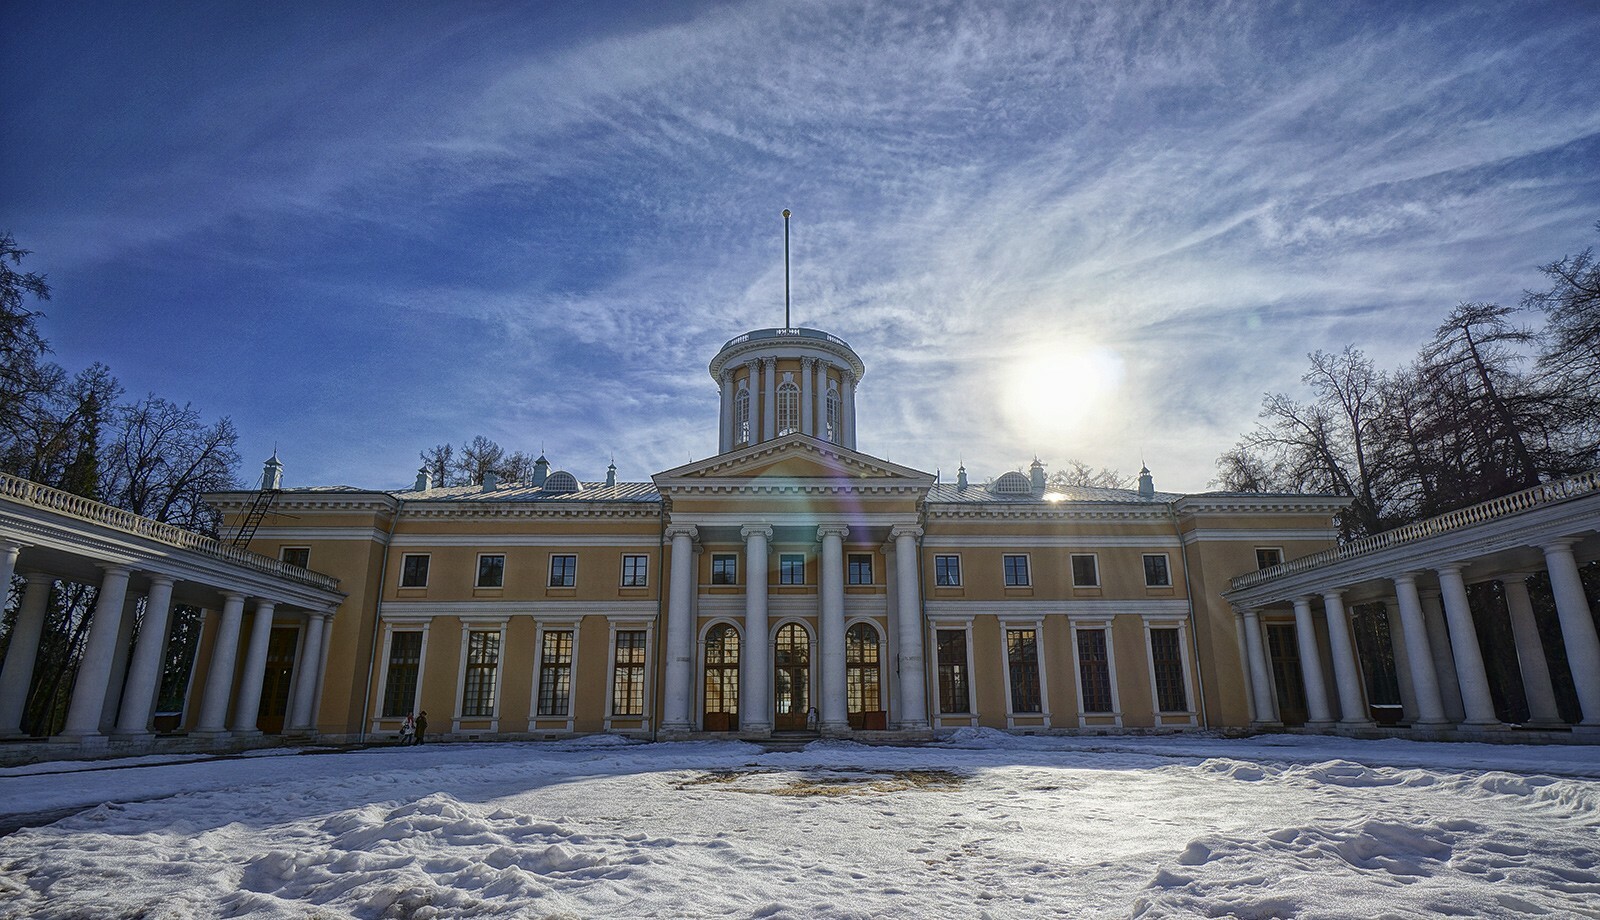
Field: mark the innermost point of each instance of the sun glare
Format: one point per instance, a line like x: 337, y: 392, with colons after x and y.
x: 1061, y: 392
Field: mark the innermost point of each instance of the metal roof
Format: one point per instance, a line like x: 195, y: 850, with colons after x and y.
x: 521, y: 492
x: 948, y: 493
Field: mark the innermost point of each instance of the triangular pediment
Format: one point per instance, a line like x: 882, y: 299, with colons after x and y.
x: 795, y: 458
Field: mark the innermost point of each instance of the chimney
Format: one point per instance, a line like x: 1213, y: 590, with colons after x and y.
x: 272, y: 473
x: 961, y: 478
x: 1036, y: 474
x: 1147, y: 486
x: 424, y: 479
x: 491, y: 481
x: 541, y: 471
x: 611, y: 476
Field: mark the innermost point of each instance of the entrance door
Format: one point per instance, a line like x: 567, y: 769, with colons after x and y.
x: 791, y: 678
x: 1286, y: 673
x: 722, y: 680
x: 279, y: 679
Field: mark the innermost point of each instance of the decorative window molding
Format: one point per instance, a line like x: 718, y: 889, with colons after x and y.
x: 296, y: 555
x: 1094, y: 669
x: 1015, y: 568
x: 1268, y: 556
x: 947, y: 571
x: 628, y: 674
x: 1085, y: 570
x: 788, y: 406
x: 563, y: 570
x: 864, y: 659
x: 635, y: 571
x: 952, y: 646
x: 479, y: 673
x: 724, y: 568
x: 555, y: 665
x: 721, y: 650
x: 414, y: 570
x: 859, y: 567
x: 410, y: 702
x: 1027, y: 693
x: 1157, y: 570
x: 491, y: 571
x: 741, y: 414
x: 791, y: 568
x: 1171, y: 678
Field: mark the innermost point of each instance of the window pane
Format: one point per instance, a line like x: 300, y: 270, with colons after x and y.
x: 491, y: 571
x: 788, y: 408
x: 860, y: 569
x: 947, y: 571
x: 722, y: 670
x: 634, y: 571
x: 1165, y: 654
x: 953, y: 691
x: 1094, y: 668
x: 1085, y: 571
x: 1156, y: 574
x: 400, y: 687
x: 483, y: 660
x: 861, y: 671
x: 297, y: 555
x: 1022, y: 654
x: 563, y: 571
x: 725, y: 569
x: 792, y: 569
x: 627, y: 679
x: 414, y: 572
x: 555, y: 673
x: 1016, y: 571
x: 1267, y: 558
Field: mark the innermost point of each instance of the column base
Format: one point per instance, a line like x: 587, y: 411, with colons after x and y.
x: 756, y: 728
x: 1321, y: 725
x: 211, y: 734
x: 1266, y: 725
x: 86, y: 739
x: 1356, y: 726
x: 1495, y: 726
x: 1545, y: 725
x: 125, y: 735
x: 676, y: 727
x: 16, y: 735
x: 914, y: 725
x: 247, y: 734
x: 834, y: 729
x: 1432, y: 723
x: 1589, y: 730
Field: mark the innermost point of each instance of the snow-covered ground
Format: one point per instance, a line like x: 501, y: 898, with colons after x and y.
x: 983, y: 825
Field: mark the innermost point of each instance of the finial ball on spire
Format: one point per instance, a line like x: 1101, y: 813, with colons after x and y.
x: 785, y: 212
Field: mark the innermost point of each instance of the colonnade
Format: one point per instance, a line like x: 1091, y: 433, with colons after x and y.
x: 1442, y: 661
x: 755, y: 691
x: 118, y: 678
x: 761, y: 379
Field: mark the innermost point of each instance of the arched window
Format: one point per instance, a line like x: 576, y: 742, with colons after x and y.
x: 562, y: 481
x: 741, y: 416
x: 833, y: 432
x: 788, y: 408
x: 791, y: 678
x: 722, y: 679
x: 861, y: 674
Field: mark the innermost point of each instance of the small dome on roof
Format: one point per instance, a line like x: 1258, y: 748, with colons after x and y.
x: 1012, y: 484
x: 562, y: 481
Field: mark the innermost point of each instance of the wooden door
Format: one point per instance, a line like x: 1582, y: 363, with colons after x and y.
x: 1285, y: 655
x: 278, y: 681
x: 722, y: 680
x: 791, y: 678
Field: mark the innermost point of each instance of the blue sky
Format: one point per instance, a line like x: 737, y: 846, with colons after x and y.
x: 1092, y: 231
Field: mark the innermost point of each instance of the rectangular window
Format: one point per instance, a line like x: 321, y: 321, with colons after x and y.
x: 555, y: 672
x: 1268, y: 556
x: 1016, y: 571
x: 296, y: 555
x: 724, y: 569
x: 414, y: 570
x: 860, y: 568
x: 954, y: 693
x: 1022, y: 656
x: 1167, y: 657
x: 483, y: 661
x: 792, y: 569
x: 1156, y: 573
x: 1085, y: 570
x: 491, y: 571
x: 400, y: 686
x: 563, y: 571
x: 1094, y: 670
x: 947, y: 571
x: 627, y: 676
x: 634, y: 569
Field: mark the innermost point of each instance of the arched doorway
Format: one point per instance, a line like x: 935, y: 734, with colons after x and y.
x: 722, y: 679
x: 791, y: 678
x: 863, y: 695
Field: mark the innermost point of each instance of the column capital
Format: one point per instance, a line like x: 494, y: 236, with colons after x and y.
x: 1248, y: 613
x: 1335, y: 593
x: 806, y: 361
x: 751, y: 530
x: 769, y: 362
x: 1560, y: 545
x: 114, y: 568
x: 156, y: 578
x: 264, y: 603
x: 34, y: 577
x: 1513, y: 576
x: 12, y: 547
x: 681, y: 530
x: 1405, y: 578
x: 904, y: 530
x: 316, y: 616
x: 1304, y: 600
x: 232, y: 597
x: 1456, y: 567
x: 832, y: 530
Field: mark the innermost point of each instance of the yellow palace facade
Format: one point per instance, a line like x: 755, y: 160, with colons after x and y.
x: 790, y: 583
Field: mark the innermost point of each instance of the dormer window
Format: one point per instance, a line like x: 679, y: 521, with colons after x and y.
x: 562, y: 481
x: 1012, y: 484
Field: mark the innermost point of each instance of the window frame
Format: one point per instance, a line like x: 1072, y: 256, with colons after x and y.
x: 469, y: 628
x: 860, y: 673
x: 1166, y: 569
x: 787, y: 399
x: 390, y: 632
x: 785, y: 560
x: 965, y: 644
x: 1185, y: 672
x: 1268, y: 549
x: 569, y: 577
x: 641, y: 666
x: 427, y: 568
x: 742, y: 433
x: 1008, y: 571
x: 283, y: 552
x: 477, y: 581
x: 940, y: 559
x: 1104, y: 626
x: 561, y: 670
x: 852, y: 560
x: 1040, y: 688
x: 730, y: 558
x: 641, y: 575
x: 1072, y: 564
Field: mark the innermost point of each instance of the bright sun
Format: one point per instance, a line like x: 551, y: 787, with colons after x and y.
x: 1056, y: 394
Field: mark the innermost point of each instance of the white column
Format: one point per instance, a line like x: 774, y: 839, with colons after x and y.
x: 1542, y: 709
x: 847, y: 408
x: 9, y: 550
x: 769, y: 398
x: 833, y: 713
x: 1424, y: 680
x: 1577, y: 629
x: 1244, y: 662
x: 118, y: 674
x: 303, y: 718
x: 144, y: 670
x: 1475, y: 698
x: 755, y: 662
x: 1444, y: 661
x: 219, y: 677
x: 1346, y: 670
x: 725, y: 419
x: 94, y: 671
x: 679, y: 679
x: 822, y: 400
x: 247, y: 710
x: 807, y: 370
x: 908, y: 624
x: 1260, y: 677
x: 16, y: 675
x: 322, y: 672
x: 1305, y: 631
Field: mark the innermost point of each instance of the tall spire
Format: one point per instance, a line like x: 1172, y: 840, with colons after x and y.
x: 786, y: 268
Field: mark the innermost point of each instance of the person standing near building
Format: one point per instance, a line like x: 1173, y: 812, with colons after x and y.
x: 408, y: 730
x: 421, y: 728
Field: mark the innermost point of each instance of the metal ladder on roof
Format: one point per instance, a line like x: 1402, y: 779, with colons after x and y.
x: 260, y: 504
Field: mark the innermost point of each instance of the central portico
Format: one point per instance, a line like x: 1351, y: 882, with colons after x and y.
x: 793, y: 558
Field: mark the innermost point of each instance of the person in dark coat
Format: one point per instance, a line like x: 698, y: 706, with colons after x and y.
x: 422, y: 726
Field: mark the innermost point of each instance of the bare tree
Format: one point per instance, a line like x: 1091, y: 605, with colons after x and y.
x: 440, y: 462
x: 1078, y: 473
x: 163, y: 458
x: 478, y: 457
